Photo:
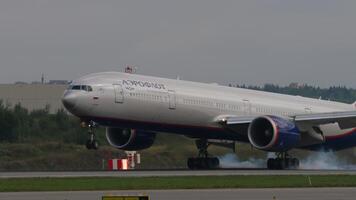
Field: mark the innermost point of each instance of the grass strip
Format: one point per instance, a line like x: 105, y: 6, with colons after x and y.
x: 189, y: 182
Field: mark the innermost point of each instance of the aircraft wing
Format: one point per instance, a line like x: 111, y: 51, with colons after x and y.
x: 346, y: 119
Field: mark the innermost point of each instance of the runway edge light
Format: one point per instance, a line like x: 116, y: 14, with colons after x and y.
x: 125, y: 198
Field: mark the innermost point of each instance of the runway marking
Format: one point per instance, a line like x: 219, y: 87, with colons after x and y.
x: 208, y: 194
x: 165, y: 173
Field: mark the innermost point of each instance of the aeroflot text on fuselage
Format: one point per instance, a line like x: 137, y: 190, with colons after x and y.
x: 143, y: 84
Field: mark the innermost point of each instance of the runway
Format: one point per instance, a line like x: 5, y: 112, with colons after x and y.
x: 166, y: 173
x: 226, y: 194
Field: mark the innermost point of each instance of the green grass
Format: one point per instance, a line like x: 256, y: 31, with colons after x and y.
x: 199, y: 182
x: 170, y: 151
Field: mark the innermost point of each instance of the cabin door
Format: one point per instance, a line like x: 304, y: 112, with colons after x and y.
x: 119, y: 93
x: 308, y: 110
x: 247, y: 106
x: 172, y: 99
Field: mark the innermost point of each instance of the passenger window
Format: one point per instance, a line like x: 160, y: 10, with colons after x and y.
x: 90, y: 89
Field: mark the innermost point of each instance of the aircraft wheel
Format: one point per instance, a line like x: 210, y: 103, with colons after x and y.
x: 192, y: 163
x: 294, y: 163
x: 95, y: 145
x: 283, y: 161
x: 214, y: 163
x: 271, y: 163
x: 283, y: 164
x: 279, y: 164
x: 203, y: 163
x: 89, y: 144
x: 276, y: 164
x: 92, y: 144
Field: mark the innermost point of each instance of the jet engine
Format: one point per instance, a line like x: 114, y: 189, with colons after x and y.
x: 129, y: 139
x: 272, y: 133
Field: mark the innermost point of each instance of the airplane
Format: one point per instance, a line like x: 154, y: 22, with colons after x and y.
x: 134, y: 108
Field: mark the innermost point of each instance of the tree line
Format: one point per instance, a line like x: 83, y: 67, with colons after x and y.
x: 17, y: 124
x: 334, y: 93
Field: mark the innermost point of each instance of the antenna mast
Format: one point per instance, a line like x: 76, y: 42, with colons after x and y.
x: 131, y: 69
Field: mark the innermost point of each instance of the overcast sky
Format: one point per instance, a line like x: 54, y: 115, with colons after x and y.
x: 250, y: 41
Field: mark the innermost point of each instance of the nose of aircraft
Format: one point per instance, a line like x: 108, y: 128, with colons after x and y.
x: 69, y: 101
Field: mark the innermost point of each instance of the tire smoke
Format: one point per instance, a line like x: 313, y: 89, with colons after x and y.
x: 232, y: 161
x: 323, y: 160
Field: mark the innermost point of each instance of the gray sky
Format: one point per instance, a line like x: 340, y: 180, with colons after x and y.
x: 247, y: 41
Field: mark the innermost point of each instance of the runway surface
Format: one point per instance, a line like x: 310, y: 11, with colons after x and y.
x: 163, y: 173
x: 226, y: 194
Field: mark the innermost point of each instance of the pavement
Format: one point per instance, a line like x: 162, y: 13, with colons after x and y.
x: 207, y: 194
x: 214, y: 194
x: 165, y: 173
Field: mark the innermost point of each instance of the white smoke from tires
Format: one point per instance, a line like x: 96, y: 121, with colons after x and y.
x: 325, y: 160
x: 232, y: 161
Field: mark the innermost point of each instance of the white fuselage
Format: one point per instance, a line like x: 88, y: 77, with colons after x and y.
x: 184, y: 107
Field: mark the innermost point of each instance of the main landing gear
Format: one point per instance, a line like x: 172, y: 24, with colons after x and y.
x: 283, y: 161
x: 203, y: 161
x: 92, y: 143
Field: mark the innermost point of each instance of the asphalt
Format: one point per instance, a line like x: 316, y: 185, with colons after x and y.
x: 226, y: 194
x: 165, y: 173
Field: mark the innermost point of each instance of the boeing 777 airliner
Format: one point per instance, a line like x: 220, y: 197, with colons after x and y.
x: 133, y: 108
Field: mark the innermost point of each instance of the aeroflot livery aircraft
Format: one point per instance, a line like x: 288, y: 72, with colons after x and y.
x: 133, y: 108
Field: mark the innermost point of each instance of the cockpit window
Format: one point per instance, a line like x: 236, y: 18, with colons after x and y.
x: 81, y: 87
x: 84, y: 87
x: 76, y: 87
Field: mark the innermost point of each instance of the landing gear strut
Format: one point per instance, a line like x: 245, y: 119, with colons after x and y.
x: 203, y: 161
x: 283, y: 161
x: 92, y: 143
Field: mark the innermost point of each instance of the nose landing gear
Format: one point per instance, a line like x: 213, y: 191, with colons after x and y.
x: 92, y: 143
x: 203, y: 161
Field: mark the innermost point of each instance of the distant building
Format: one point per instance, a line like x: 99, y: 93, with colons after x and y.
x: 20, y: 83
x: 33, y: 96
x: 36, y: 82
x: 58, y: 82
x: 294, y: 85
x: 297, y: 85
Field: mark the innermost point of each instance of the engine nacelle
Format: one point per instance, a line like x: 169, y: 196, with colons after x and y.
x: 272, y: 133
x: 129, y: 139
